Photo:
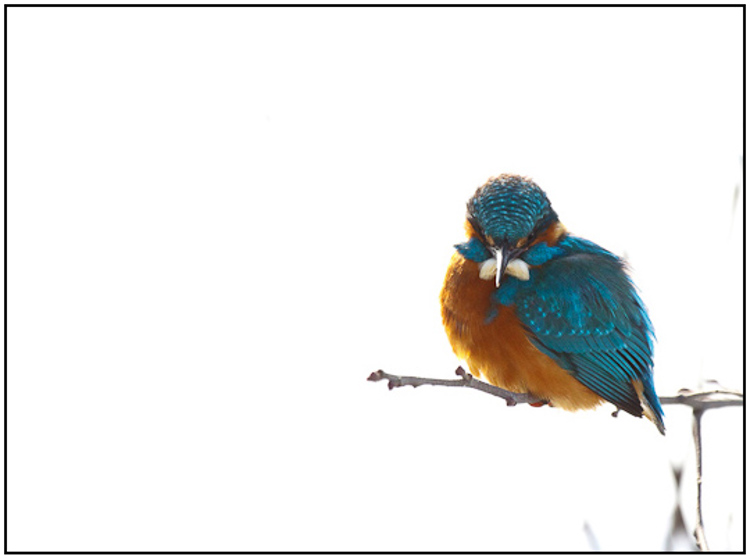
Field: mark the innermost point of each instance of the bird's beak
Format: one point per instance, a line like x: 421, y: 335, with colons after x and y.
x: 502, y: 257
x: 494, y: 267
x: 504, y: 261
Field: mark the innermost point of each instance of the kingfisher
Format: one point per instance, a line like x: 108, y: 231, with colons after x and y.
x: 536, y: 310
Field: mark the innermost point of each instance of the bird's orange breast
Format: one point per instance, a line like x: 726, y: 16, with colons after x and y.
x: 500, y: 350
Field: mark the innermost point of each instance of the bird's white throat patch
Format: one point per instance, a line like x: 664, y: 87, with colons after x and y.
x: 516, y: 268
x: 488, y: 269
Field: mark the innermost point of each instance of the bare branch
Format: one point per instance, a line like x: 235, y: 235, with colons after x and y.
x: 466, y: 380
x: 699, y: 532
x: 699, y: 401
x: 705, y: 399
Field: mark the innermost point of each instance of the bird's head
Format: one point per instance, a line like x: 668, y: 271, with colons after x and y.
x: 505, y: 217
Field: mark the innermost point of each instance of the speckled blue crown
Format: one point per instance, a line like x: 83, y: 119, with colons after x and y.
x: 510, y: 207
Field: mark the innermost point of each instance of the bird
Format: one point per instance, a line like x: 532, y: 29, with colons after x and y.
x: 535, y: 310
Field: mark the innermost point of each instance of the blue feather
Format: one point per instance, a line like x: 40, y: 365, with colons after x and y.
x: 510, y: 207
x: 473, y: 250
x: 581, y: 309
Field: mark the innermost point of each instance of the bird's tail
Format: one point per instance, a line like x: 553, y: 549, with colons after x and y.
x: 650, y: 401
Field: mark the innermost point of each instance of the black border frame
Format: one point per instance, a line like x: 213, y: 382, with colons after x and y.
x: 5, y: 257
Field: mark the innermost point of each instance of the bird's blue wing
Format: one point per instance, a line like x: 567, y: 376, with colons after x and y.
x: 581, y: 309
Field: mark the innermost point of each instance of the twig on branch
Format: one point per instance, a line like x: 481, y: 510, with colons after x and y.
x: 467, y: 380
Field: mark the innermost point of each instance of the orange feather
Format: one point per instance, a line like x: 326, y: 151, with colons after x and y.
x: 501, y: 351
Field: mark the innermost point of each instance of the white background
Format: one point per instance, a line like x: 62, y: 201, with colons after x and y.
x: 220, y: 221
